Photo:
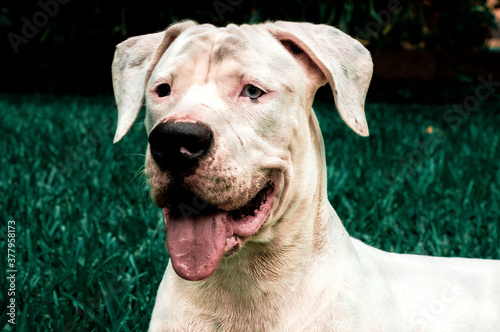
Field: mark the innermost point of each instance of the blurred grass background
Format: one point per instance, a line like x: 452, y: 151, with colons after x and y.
x: 90, y: 243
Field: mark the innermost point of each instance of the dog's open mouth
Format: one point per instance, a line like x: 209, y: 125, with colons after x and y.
x: 199, y: 234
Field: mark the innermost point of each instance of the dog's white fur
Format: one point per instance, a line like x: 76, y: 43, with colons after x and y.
x: 302, y: 271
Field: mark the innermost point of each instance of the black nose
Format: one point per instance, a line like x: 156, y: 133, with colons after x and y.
x: 179, y: 146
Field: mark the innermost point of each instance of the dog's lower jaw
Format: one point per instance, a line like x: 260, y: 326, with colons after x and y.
x: 273, y: 276
x: 279, y: 274
x: 198, y: 238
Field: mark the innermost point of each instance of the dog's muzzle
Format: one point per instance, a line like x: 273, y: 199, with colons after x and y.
x: 178, y: 146
x: 200, y: 234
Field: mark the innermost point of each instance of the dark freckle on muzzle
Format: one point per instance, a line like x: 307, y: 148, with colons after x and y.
x: 178, y: 146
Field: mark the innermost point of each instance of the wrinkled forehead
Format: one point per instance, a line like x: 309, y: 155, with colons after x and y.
x: 243, y: 43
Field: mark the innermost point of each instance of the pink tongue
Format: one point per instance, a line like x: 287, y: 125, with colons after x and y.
x: 196, y: 243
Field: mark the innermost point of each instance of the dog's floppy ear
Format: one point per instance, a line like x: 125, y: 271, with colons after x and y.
x: 134, y: 60
x: 346, y: 64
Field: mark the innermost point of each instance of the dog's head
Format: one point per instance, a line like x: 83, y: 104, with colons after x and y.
x: 228, y: 119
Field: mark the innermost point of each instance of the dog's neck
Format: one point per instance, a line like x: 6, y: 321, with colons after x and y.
x: 302, y: 242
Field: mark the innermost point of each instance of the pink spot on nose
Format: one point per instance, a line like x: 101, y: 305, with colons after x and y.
x: 185, y: 151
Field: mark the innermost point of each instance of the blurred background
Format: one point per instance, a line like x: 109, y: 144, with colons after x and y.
x: 66, y: 46
x: 90, y: 244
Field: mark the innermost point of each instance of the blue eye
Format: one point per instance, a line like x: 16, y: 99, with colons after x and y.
x: 252, y: 92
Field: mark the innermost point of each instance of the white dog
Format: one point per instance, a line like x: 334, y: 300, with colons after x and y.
x: 236, y: 161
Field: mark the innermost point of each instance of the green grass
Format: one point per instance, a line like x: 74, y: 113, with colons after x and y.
x: 90, y: 244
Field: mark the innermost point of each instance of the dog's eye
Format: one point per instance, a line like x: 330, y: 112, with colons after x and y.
x: 163, y: 90
x: 252, y: 91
